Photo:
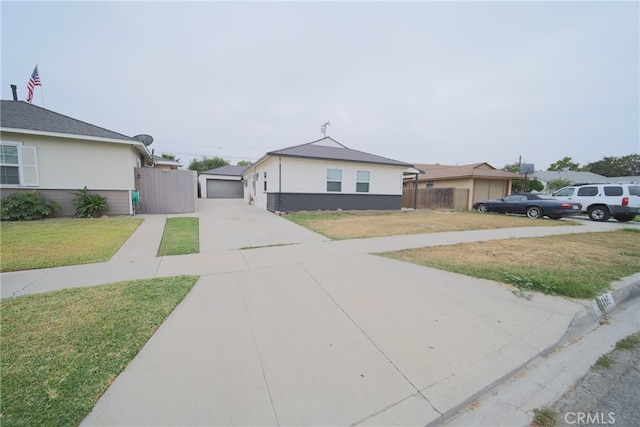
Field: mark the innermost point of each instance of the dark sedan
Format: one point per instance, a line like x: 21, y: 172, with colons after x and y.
x: 530, y: 204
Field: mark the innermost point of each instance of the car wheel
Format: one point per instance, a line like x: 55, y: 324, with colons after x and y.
x: 482, y: 208
x: 624, y: 217
x: 534, y: 212
x: 598, y: 213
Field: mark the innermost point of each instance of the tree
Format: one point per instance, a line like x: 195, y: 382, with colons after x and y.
x: 532, y: 185
x: 512, y: 167
x: 616, y: 166
x: 556, y: 184
x: 244, y: 163
x: 169, y: 156
x: 207, y: 163
x: 564, y: 165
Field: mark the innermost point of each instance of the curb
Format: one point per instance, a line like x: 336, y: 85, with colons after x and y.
x: 592, y: 315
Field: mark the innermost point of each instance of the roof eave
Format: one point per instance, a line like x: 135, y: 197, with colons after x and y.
x: 139, y: 146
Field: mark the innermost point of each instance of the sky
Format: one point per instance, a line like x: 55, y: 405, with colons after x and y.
x: 446, y: 82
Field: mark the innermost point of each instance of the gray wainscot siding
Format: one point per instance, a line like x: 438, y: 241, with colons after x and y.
x: 291, y: 202
x: 118, y: 200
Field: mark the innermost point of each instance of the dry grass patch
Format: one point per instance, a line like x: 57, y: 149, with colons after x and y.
x: 576, y: 265
x: 362, y: 224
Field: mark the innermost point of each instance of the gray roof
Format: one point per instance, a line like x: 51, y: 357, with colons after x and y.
x: 229, y: 170
x: 572, y: 176
x: 333, y: 150
x: 22, y: 115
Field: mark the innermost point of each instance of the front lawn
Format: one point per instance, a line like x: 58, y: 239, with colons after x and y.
x: 575, y: 265
x: 48, y: 243
x: 362, y: 224
x: 61, y: 350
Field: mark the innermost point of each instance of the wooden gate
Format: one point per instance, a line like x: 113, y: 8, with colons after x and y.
x: 166, y: 191
x: 436, y: 198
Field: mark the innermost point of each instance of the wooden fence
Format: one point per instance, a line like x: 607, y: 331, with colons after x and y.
x: 166, y: 191
x: 437, y: 198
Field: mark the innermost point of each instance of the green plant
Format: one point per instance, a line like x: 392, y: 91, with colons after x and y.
x: 627, y: 343
x: 603, y: 362
x: 89, y: 205
x: 27, y: 206
x: 544, y: 417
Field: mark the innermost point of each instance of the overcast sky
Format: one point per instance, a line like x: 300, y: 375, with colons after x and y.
x: 421, y: 82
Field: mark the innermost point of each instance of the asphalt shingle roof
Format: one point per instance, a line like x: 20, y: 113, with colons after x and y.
x: 333, y: 150
x: 22, y: 115
x: 477, y: 170
x: 229, y: 170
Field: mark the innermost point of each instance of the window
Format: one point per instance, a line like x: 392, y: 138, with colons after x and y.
x: 362, y: 181
x: 613, y: 191
x: 565, y: 192
x: 18, y: 164
x: 9, y: 165
x: 430, y: 184
x: 588, y: 191
x: 334, y: 180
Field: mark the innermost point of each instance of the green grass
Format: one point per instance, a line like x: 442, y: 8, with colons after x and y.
x: 544, y: 417
x: 603, y: 362
x: 181, y: 236
x: 580, y: 265
x: 627, y: 343
x: 61, y: 350
x: 48, y: 243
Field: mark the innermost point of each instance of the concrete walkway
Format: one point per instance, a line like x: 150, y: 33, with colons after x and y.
x: 315, y: 332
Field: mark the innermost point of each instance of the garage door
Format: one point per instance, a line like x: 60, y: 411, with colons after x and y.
x: 221, y: 189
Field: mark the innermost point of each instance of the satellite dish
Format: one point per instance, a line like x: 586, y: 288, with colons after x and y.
x: 145, y: 139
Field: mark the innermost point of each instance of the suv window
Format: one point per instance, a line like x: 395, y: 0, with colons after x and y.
x: 634, y: 190
x: 613, y: 191
x: 564, y: 192
x: 588, y: 191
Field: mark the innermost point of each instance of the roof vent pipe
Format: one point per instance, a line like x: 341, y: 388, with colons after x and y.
x: 14, y: 89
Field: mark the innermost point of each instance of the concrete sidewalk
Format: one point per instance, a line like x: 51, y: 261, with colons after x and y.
x: 316, y: 332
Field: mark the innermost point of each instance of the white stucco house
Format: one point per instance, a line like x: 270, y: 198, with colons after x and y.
x: 224, y: 182
x: 324, y: 175
x: 56, y: 155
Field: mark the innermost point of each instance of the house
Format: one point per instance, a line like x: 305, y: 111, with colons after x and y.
x: 164, y: 163
x: 56, y: 155
x: 222, y: 182
x: 481, y: 180
x: 570, y: 177
x: 324, y: 175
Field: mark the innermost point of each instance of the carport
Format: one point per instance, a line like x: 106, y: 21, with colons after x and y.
x: 224, y: 182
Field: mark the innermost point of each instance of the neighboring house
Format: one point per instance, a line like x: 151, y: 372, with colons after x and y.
x: 324, y: 175
x: 56, y: 155
x: 571, y: 177
x: 222, y: 182
x: 165, y: 164
x: 482, y: 180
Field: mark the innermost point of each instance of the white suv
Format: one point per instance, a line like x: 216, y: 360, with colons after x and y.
x: 602, y: 201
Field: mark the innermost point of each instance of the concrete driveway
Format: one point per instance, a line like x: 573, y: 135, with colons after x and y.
x: 233, y: 224
x: 324, y: 333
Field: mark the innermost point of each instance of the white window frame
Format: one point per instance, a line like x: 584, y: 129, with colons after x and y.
x: 333, y: 180
x: 27, y: 164
x: 359, y: 181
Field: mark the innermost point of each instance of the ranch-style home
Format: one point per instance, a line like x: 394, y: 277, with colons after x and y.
x: 56, y: 155
x: 324, y: 175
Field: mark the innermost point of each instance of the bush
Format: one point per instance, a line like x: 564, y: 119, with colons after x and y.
x: 89, y: 205
x: 27, y: 206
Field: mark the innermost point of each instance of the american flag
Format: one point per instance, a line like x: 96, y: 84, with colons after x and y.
x: 33, y: 82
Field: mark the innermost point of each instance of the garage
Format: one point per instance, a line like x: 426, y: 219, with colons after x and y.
x: 224, y: 182
x: 223, y: 189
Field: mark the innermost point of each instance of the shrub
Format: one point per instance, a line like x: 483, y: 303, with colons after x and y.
x: 89, y: 205
x: 27, y: 206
